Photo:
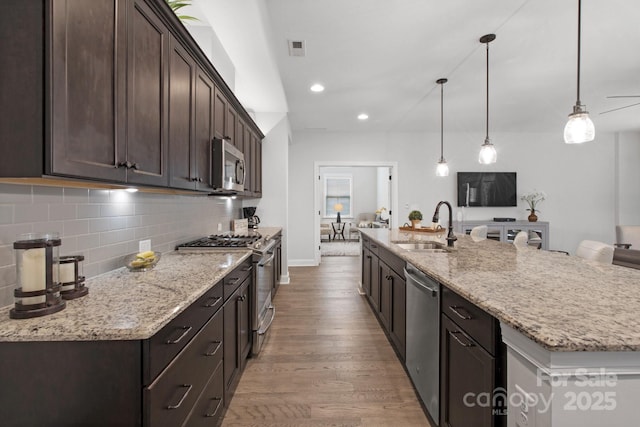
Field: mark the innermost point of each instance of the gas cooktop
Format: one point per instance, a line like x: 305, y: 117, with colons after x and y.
x: 251, y: 241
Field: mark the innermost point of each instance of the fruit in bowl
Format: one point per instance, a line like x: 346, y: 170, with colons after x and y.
x: 142, y: 261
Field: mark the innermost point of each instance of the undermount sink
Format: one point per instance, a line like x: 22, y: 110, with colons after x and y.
x: 422, y: 246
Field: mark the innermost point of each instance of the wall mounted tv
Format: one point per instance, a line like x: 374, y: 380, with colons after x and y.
x: 487, y: 189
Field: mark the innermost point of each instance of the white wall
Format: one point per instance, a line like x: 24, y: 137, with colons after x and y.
x: 384, y: 198
x: 273, y: 207
x: 579, y: 180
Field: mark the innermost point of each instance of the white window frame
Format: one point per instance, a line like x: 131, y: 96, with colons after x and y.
x: 343, y: 214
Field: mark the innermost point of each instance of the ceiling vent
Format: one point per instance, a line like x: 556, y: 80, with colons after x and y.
x: 297, y: 48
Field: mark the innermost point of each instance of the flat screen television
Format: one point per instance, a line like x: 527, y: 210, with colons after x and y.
x: 487, y: 189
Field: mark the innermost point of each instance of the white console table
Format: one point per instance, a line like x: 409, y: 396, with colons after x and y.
x: 506, y: 231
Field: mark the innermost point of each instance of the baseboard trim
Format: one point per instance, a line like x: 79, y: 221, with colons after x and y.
x: 285, y: 279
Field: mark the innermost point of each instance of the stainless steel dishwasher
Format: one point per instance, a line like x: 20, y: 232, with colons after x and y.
x: 423, y: 337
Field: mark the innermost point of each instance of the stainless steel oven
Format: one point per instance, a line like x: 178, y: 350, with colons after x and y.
x: 262, y: 305
x: 262, y: 309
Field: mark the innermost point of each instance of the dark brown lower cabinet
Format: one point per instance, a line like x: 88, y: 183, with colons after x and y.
x: 237, y: 337
x: 467, y: 373
x: 472, y: 365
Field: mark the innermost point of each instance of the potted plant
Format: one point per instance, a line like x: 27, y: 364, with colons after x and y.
x: 415, y: 217
x: 533, y: 199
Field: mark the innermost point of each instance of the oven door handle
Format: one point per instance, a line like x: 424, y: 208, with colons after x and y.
x: 262, y: 264
x: 264, y: 329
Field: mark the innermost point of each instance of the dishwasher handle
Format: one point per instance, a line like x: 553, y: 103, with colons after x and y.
x: 412, y: 275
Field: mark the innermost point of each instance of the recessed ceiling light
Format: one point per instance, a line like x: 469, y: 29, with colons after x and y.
x: 317, y: 87
x: 363, y: 116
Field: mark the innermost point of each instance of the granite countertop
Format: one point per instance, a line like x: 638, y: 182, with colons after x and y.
x: 563, y: 303
x: 124, y: 305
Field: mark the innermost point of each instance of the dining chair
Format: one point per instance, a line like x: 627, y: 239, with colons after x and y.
x: 521, y: 240
x: 478, y: 233
x: 595, y: 251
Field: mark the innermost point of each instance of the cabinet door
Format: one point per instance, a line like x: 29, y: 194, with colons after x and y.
x: 181, y: 80
x: 230, y: 361
x: 244, y: 323
x: 256, y: 173
x: 203, y: 115
x: 247, y: 141
x: 366, y: 271
x: 386, y: 284
x: 375, y: 282
x: 398, y: 312
x: 232, y: 126
x: 87, y: 83
x: 147, y: 97
x: 220, y: 107
x: 465, y: 368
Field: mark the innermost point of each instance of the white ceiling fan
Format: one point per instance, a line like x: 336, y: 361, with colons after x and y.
x: 622, y: 108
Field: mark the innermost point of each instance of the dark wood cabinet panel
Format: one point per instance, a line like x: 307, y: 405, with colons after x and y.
x: 244, y: 324
x: 248, y: 181
x: 231, y: 127
x: 220, y: 107
x: 204, y: 131
x: 397, y: 328
x: 147, y: 96
x: 231, y: 357
x: 87, y: 85
x: 181, y: 110
x: 465, y: 368
x: 256, y: 173
x: 386, y: 286
x: 375, y: 282
x: 210, y: 406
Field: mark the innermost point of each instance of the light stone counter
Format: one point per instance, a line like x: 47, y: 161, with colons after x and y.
x: 123, y: 305
x: 563, y: 303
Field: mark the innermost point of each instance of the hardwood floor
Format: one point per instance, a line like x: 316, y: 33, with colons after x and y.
x: 326, y: 362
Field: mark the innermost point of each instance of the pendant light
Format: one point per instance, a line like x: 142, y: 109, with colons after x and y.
x: 488, y: 153
x: 442, y: 169
x: 579, y: 128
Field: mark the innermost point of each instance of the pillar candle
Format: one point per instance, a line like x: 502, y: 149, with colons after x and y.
x: 33, y: 274
x: 68, y: 275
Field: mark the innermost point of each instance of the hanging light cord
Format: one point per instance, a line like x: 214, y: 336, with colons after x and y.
x: 487, y: 137
x: 441, y: 121
x: 579, y: 26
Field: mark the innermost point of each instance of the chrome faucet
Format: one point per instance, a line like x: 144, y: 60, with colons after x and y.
x: 436, y: 216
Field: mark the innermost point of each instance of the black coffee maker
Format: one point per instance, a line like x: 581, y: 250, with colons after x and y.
x: 250, y: 214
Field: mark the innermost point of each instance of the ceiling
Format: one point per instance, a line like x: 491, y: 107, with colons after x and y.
x: 383, y: 57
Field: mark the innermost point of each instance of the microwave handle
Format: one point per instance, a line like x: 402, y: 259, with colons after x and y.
x: 240, y: 168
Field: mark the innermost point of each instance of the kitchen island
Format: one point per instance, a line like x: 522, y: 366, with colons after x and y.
x: 571, y: 326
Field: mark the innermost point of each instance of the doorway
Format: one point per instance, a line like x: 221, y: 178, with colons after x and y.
x: 361, y: 194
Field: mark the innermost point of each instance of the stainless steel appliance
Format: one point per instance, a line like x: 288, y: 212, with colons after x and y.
x: 262, y: 310
x: 227, y: 167
x: 423, y: 338
x: 250, y: 214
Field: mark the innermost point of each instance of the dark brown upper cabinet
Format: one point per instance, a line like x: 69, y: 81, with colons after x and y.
x: 114, y: 91
x: 181, y: 109
x: 88, y: 66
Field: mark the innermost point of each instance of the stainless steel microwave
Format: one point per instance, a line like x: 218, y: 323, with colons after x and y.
x: 227, y: 167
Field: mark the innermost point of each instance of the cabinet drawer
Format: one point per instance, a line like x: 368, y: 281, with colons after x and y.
x: 480, y: 325
x: 374, y: 248
x: 168, y: 342
x: 210, y: 406
x: 366, y: 243
x: 234, y: 279
x: 392, y: 260
x: 172, y: 396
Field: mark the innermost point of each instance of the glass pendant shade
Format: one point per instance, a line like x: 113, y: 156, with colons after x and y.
x: 443, y: 168
x: 579, y: 127
x: 488, y: 153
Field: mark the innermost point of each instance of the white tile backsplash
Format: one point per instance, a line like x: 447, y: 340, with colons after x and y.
x: 103, y: 225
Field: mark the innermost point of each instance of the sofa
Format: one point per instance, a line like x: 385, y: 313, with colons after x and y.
x: 363, y: 220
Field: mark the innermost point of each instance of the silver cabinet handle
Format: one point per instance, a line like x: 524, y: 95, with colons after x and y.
x: 215, y: 350
x: 247, y: 268
x: 454, y: 334
x: 232, y: 281
x: 188, y: 388
x: 455, y: 309
x: 185, y: 332
x: 209, y: 413
x: 215, y: 302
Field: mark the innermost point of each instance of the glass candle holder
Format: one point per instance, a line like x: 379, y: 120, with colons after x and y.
x: 37, y: 290
x: 72, y: 277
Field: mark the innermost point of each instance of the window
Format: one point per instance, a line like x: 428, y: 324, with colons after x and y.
x: 337, y: 191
